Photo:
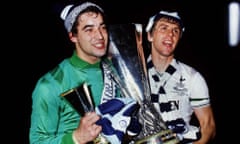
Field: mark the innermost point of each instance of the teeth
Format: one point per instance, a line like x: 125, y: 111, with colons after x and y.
x: 168, y: 42
x: 99, y: 45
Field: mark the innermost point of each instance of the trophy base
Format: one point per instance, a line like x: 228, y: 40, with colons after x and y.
x: 163, y: 137
x: 101, y: 140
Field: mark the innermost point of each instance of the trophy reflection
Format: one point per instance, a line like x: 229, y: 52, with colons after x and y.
x: 128, y: 57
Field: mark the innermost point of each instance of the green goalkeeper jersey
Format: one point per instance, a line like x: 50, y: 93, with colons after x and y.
x: 52, y: 119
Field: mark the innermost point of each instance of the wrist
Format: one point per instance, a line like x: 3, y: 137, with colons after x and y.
x: 74, y: 137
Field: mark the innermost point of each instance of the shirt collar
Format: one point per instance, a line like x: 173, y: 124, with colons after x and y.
x: 81, y: 64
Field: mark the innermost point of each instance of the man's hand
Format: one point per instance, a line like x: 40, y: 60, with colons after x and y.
x: 87, y: 130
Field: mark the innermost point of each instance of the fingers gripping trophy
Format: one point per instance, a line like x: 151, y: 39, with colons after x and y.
x: 80, y: 99
x: 127, y: 55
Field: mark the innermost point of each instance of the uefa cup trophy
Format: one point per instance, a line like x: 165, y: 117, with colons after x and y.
x: 128, y: 57
x: 81, y: 100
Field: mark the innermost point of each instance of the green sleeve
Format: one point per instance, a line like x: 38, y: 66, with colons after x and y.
x: 67, y: 139
x: 45, y: 114
x: 52, y: 120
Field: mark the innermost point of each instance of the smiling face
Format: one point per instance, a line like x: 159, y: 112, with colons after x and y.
x: 164, y: 37
x: 91, y: 37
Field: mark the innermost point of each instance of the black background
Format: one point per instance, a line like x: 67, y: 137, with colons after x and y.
x: 36, y: 41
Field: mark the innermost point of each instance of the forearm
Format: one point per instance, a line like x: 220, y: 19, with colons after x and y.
x: 206, y: 137
x: 208, y: 133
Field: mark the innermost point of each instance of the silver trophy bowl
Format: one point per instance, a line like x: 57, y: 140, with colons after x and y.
x: 128, y: 57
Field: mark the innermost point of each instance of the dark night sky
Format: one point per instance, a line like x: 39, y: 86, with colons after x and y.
x: 39, y: 42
